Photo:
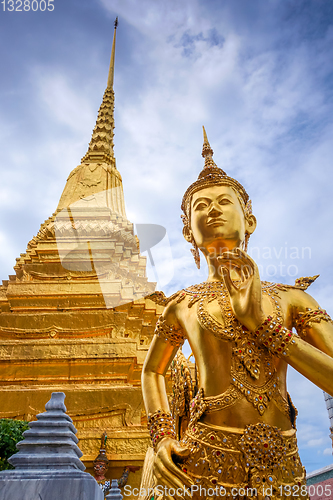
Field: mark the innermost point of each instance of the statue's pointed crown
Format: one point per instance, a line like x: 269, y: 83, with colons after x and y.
x: 210, y: 175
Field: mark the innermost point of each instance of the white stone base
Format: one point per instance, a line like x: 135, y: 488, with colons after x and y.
x: 48, y: 485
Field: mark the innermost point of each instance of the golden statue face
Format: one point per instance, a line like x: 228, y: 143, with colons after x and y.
x: 217, y: 219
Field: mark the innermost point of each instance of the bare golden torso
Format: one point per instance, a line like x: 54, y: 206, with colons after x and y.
x: 217, y: 363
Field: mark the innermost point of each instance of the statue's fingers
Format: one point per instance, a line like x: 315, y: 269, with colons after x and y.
x: 168, y: 497
x: 162, y: 481
x: 180, y: 451
x: 245, y: 255
x: 235, y: 261
x: 246, y: 269
x: 156, y: 472
x: 228, y: 257
x: 247, y: 272
x: 176, y: 471
x: 181, y: 476
x: 175, y: 496
x: 240, y: 258
x: 246, y: 258
x: 169, y: 476
x: 178, y: 496
x: 232, y: 289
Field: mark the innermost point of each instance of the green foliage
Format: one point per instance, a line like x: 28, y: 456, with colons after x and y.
x: 11, y: 432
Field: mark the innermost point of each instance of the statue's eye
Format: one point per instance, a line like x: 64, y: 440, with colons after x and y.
x: 224, y: 201
x: 201, y: 205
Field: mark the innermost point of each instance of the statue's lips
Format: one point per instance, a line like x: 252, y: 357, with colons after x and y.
x: 216, y: 222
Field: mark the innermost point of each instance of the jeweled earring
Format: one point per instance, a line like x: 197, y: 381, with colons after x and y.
x: 195, y: 253
x: 246, y: 241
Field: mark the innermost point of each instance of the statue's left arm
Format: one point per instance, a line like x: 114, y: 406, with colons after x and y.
x: 310, y: 352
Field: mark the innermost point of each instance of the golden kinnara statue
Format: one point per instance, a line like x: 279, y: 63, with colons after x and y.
x: 239, y: 440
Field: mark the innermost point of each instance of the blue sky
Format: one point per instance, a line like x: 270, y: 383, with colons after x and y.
x: 258, y: 74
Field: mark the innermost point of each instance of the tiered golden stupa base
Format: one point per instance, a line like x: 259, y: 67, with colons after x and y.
x: 94, y: 355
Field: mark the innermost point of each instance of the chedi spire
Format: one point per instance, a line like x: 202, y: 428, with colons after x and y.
x: 101, y: 144
x: 96, y: 181
x: 113, y: 55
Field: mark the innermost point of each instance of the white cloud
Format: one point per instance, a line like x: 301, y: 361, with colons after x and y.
x: 158, y: 18
x: 314, y: 443
x: 63, y: 100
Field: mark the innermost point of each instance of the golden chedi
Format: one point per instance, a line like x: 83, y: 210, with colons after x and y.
x: 74, y: 317
x: 240, y: 436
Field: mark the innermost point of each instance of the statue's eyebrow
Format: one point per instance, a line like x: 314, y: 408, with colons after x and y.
x: 200, y: 199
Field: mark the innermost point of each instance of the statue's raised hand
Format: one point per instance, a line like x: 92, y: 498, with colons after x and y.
x: 166, y: 472
x: 245, y: 293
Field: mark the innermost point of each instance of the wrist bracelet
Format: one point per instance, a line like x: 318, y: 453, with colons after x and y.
x: 274, y: 336
x: 161, y: 425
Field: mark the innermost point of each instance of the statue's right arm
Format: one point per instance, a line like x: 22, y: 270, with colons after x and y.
x: 157, y: 362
